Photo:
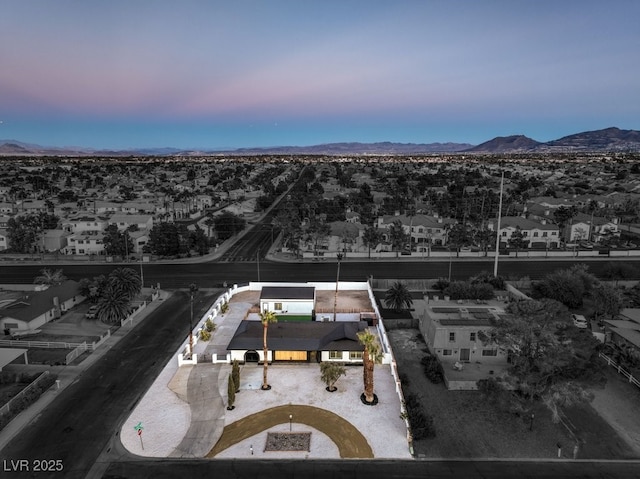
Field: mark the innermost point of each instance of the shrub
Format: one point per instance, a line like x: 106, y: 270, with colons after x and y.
x: 231, y: 392
x: 441, y: 284
x: 205, y: 335
x: 467, y: 290
x: 224, y: 307
x: 421, y: 423
x: 210, y: 326
x: 432, y: 369
x: 235, y: 374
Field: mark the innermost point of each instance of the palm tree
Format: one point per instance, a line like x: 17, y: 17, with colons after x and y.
x: 371, y: 355
x: 113, y: 305
x: 398, y: 297
x: 50, y: 277
x: 371, y: 238
x: 266, y: 317
x: 126, y: 280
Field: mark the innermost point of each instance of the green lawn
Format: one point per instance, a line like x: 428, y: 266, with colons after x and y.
x: 293, y: 317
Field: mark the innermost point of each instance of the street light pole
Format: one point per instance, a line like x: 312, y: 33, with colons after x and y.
x: 290, y: 419
x: 192, y: 289
x: 335, y: 300
x: 531, y: 423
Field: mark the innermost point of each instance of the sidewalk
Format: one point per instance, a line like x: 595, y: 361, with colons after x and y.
x: 67, y: 375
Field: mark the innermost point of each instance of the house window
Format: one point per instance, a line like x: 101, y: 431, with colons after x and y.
x: 544, y: 234
x: 472, y: 336
x: 277, y: 306
x: 504, y: 233
x: 446, y: 352
x: 452, y: 337
x: 535, y: 234
x: 355, y: 355
x: 489, y: 352
x: 335, y: 354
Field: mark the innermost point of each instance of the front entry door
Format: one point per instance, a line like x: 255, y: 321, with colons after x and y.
x: 464, y: 354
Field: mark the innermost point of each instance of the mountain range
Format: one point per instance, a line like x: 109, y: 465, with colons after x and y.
x: 598, y: 141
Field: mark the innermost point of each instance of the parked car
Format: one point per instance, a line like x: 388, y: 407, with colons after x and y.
x: 92, y: 312
x: 580, y: 321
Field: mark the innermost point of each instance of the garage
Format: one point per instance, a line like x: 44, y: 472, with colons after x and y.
x: 291, y: 355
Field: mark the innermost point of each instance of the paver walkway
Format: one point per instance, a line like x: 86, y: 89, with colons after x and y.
x: 351, y: 443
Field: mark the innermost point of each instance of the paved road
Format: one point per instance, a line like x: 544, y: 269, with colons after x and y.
x: 355, y: 469
x: 209, y: 275
x: 86, y: 416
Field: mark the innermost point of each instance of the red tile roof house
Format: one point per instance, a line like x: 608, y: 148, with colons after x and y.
x: 35, y: 308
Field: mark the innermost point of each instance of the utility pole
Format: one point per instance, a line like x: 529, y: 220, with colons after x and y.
x: 193, y: 288
x: 335, y: 300
x: 258, y: 263
x: 495, y: 264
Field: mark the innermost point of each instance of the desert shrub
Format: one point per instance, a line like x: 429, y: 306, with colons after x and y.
x: 441, y: 284
x: 210, y: 326
x: 485, y: 277
x: 467, y: 290
x: 205, y: 335
x: 224, y: 308
x: 432, y: 369
x: 421, y: 423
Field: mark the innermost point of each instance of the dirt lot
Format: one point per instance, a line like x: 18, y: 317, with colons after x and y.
x: 348, y: 301
x: 467, y: 426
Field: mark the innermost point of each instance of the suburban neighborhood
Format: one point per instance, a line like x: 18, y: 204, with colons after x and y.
x: 416, y: 368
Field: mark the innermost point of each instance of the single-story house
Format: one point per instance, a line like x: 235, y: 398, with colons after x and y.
x: 625, y: 331
x: 294, y: 301
x: 35, y: 308
x: 298, y: 341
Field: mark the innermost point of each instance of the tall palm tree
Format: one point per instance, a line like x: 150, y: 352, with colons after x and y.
x: 126, y: 280
x: 398, y: 296
x: 372, y: 354
x: 266, y: 317
x: 50, y: 277
x: 113, y: 305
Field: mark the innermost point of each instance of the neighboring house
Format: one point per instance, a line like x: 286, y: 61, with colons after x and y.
x: 535, y: 233
x: 7, y: 208
x: 307, y: 341
x: 625, y: 331
x: 584, y: 227
x: 123, y: 222
x: 139, y: 239
x: 54, y: 240
x: 35, y: 308
x: 451, y: 333
x: 85, y: 244
x: 423, y: 229
x: 33, y: 206
x: 4, y: 240
x: 289, y: 300
x: 87, y: 224
x: 345, y: 236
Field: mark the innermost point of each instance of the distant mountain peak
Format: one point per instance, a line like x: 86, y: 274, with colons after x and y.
x: 605, y: 140
x: 504, y: 144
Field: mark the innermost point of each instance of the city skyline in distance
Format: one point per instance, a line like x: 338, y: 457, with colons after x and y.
x: 209, y: 75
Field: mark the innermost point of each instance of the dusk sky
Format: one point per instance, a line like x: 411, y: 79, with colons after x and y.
x: 241, y: 73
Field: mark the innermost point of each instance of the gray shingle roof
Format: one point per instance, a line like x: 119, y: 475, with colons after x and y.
x: 294, y: 336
